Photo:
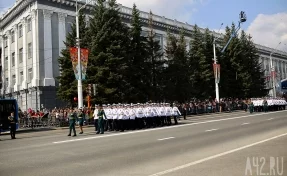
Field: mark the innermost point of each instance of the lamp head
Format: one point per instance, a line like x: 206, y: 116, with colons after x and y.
x: 242, y: 17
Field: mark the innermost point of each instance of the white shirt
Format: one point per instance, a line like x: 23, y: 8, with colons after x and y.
x: 175, y: 111
x: 95, y: 115
x: 132, y: 113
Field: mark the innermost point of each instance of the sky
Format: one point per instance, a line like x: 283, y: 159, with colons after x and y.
x: 266, y: 19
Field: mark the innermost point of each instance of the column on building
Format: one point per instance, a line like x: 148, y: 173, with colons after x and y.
x: 9, y: 54
x: 62, y: 31
x: 48, y: 61
x: 3, y: 65
x: 35, y: 60
x: 25, y: 54
x: 15, y: 71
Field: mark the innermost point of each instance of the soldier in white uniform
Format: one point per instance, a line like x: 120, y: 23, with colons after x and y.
x: 115, y: 117
x: 149, y: 115
x: 109, y: 115
x: 126, y: 117
x: 168, y: 111
x: 162, y: 115
x: 95, y: 115
x: 132, y: 114
x: 139, y: 116
x: 156, y: 115
x: 121, y: 118
x: 176, y: 113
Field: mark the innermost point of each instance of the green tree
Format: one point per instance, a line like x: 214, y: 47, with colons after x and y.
x: 252, y: 72
x: 137, y: 63
x: 108, y: 54
x: 177, y: 73
x: 154, y: 66
x: 67, y: 89
x: 196, y: 64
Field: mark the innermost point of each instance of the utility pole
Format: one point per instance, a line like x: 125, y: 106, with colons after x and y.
x: 80, y: 85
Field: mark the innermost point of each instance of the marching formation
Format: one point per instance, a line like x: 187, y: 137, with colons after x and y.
x: 120, y: 117
x: 268, y: 104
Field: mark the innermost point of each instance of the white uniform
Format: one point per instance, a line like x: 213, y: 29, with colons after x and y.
x: 139, y: 113
x: 95, y: 114
x: 132, y: 113
x: 175, y: 111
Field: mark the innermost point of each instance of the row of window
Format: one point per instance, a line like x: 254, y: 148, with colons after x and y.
x: 21, y: 78
x: 20, y: 32
x: 21, y: 53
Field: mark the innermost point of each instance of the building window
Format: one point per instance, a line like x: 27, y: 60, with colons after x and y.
x: 20, y: 31
x: 21, y: 55
x: 29, y: 50
x: 13, y: 37
x: 13, y: 59
x: 29, y: 25
x: 21, y: 77
x: 6, y: 63
x: 13, y: 80
x: 30, y: 74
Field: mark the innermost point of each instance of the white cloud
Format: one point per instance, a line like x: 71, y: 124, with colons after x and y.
x: 181, y: 10
x: 269, y: 30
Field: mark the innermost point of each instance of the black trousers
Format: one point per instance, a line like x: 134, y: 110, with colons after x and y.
x: 12, y: 130
x: 175, y: 119
x: 121, y: 125
x: 96, y: 124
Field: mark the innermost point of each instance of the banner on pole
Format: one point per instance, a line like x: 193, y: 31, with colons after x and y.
x: 84, y: 62
x: 216, y: 70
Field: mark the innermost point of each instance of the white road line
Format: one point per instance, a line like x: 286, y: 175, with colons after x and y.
x: 245, y: 124
x: 165, y: 138
x: 163, y: 128
x: 270, y: 119
x: 216, y: 156
x: 211, y: 130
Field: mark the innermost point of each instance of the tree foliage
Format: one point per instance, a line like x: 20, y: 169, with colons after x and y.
x: 131, y: 65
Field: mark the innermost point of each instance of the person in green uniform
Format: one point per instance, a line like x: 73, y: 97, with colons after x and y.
x: 72, y: 120
x: 101, y: 115
x: 81, y: 118
x: 265, y: 105
x: 251, y: 107
x: 12, y: 121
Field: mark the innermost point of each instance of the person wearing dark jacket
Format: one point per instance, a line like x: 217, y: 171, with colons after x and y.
x: 12, y: 122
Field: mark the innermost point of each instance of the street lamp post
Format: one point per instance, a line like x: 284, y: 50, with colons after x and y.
x: 273, y: 72
x: 215, y: 62
x: 80, y: 85
x: 242, y: 19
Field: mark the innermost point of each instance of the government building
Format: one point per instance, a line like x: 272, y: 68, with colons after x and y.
x: 32, y: 35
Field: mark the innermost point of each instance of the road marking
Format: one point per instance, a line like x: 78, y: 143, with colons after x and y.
x: 211, y: 130
x: 216, y: 156
x: 165, y: 138
x: 163, y: 128
x: 270, y: 119
x: 245, y: 124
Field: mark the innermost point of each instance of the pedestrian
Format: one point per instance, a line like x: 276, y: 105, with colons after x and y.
x: 12, y: 121
x: 81, y: 118
x: 72, y: 120
x: 101, y: 116
x: 265, y: 105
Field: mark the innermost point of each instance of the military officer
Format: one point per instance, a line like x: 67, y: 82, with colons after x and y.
x: 12, y: 121
x: 176, y: 113
x: 95, y: 115
x: 101, y: 116
x: 81, y: 118
x: 72, y: 120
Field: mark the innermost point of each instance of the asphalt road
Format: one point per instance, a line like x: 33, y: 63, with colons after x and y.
x: 234, y: 144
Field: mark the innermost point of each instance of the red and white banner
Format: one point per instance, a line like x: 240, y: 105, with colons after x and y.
x: 216, y: 70
x: 84, y: 62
